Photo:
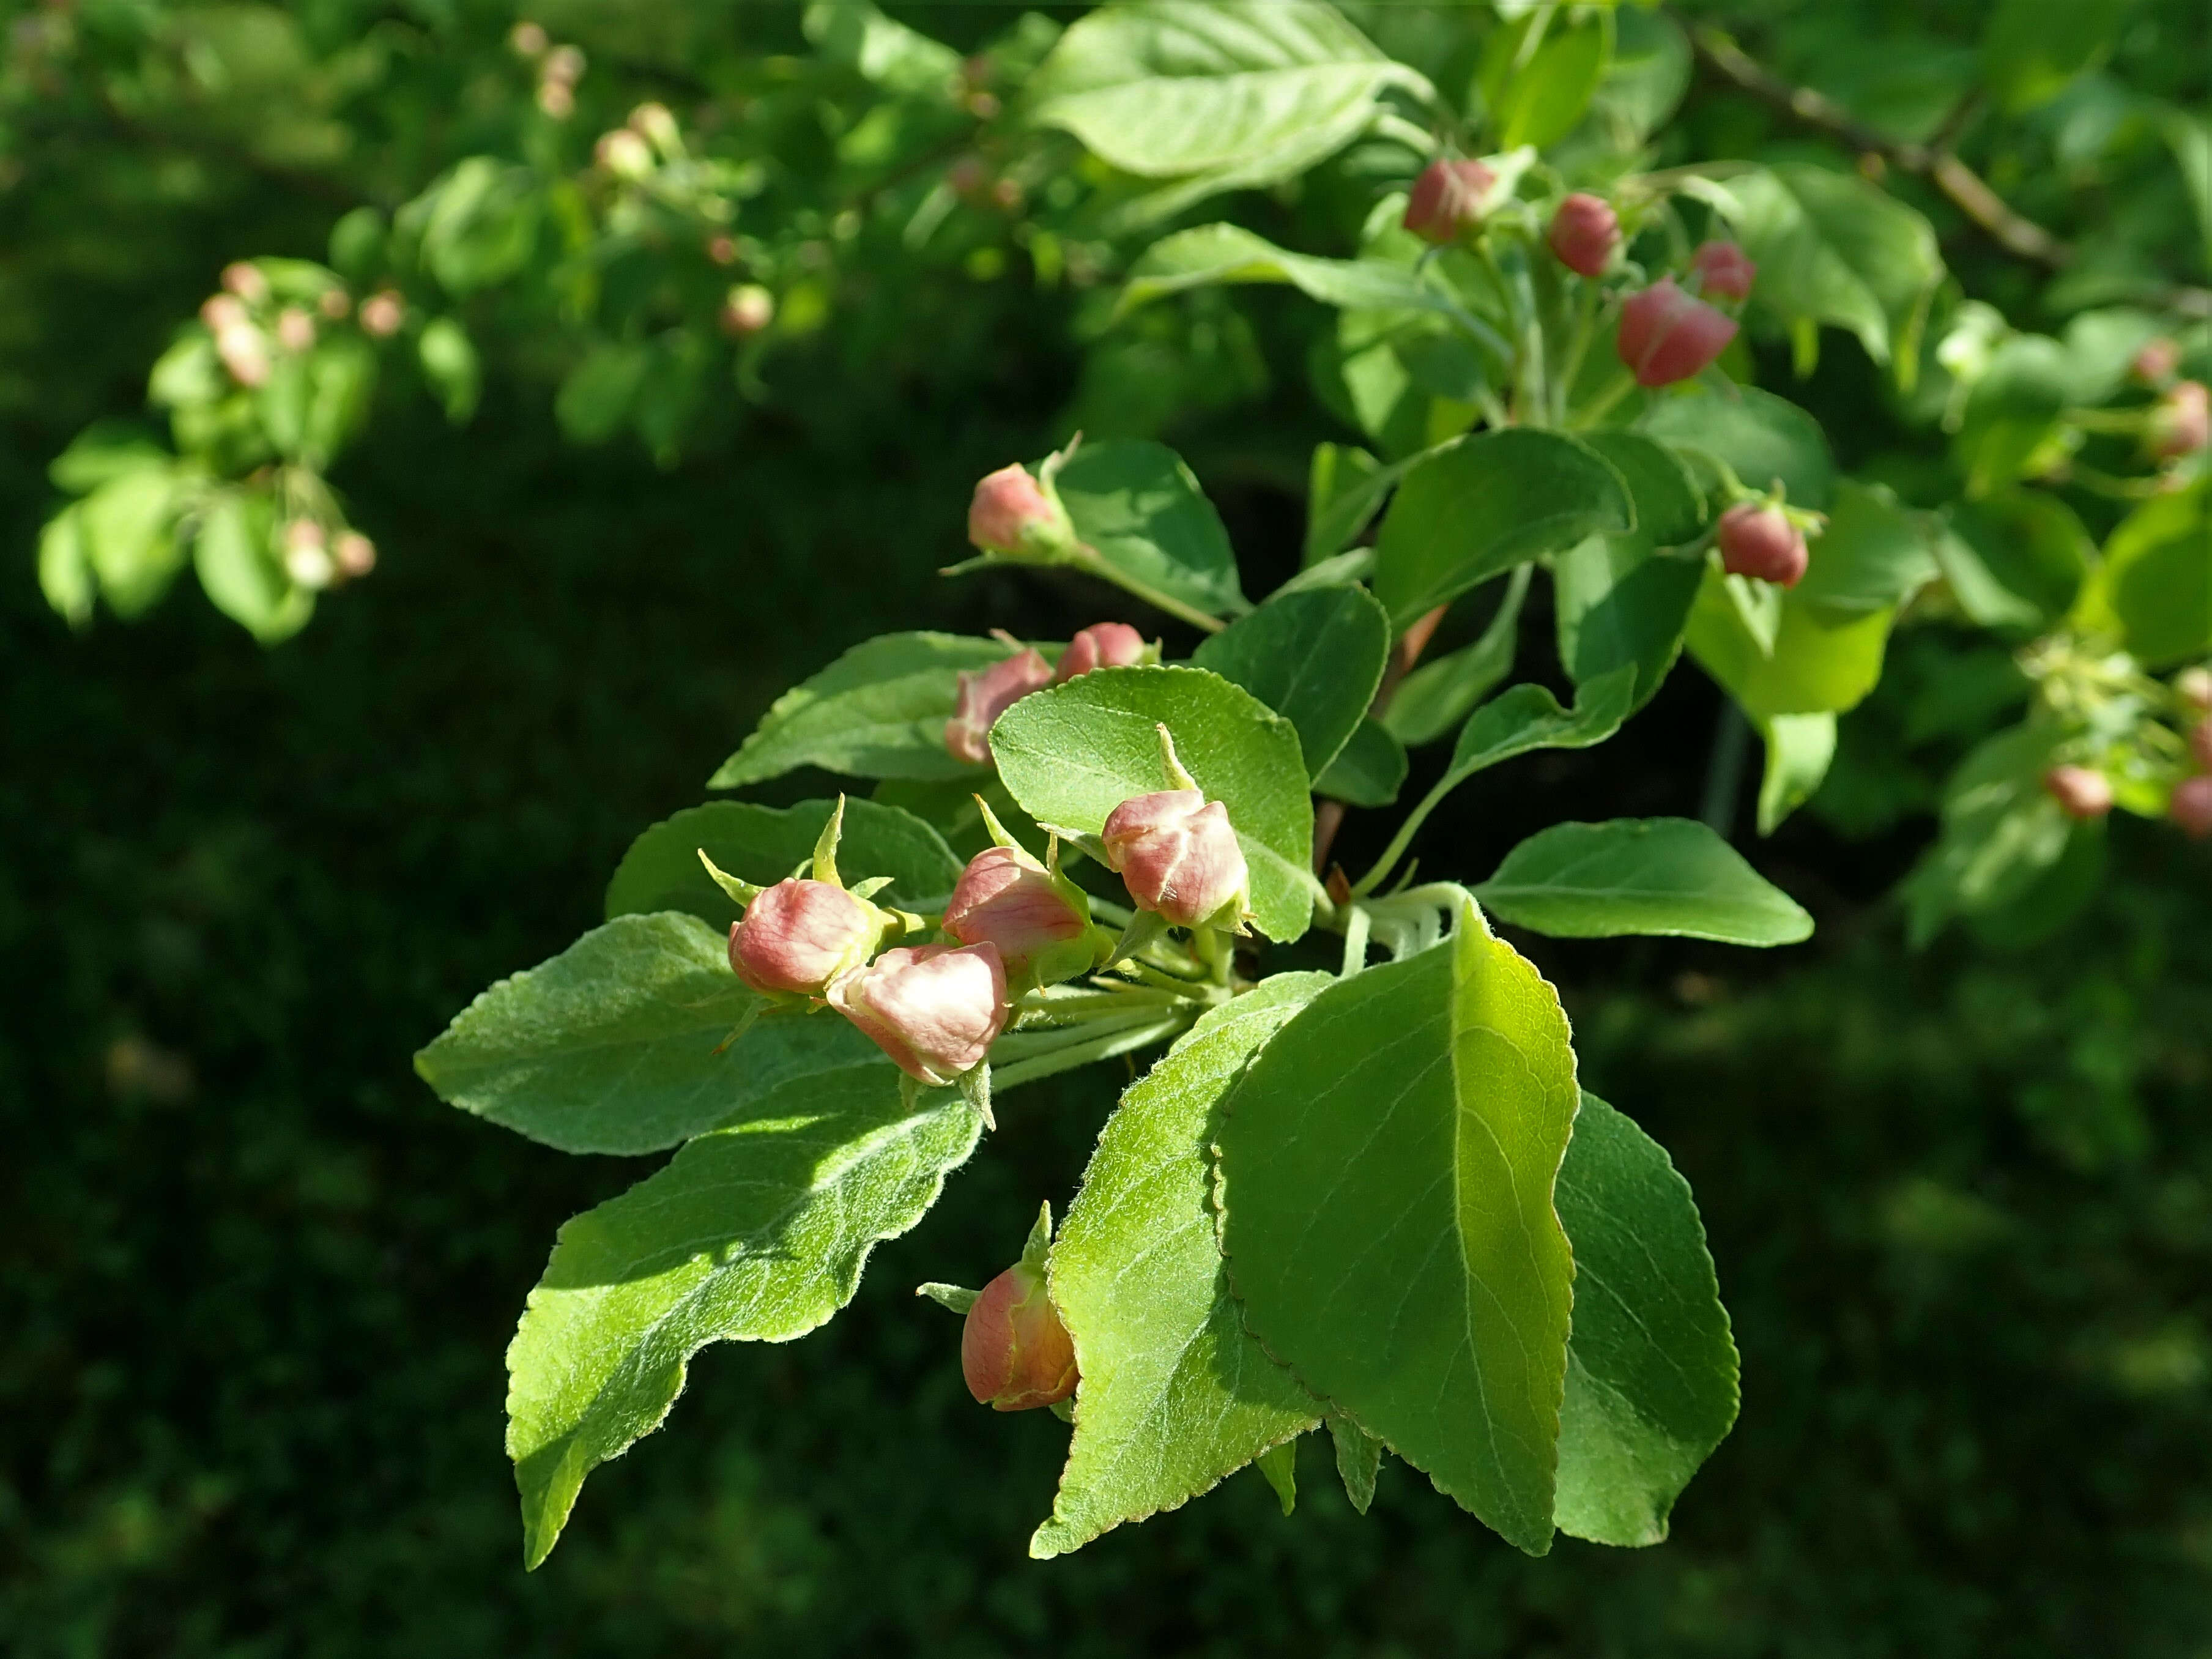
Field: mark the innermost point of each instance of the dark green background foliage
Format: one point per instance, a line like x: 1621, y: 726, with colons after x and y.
x: 255, y: 1282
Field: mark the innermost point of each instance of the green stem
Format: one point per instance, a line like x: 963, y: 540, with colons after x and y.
x: 1090, y: 559
x: 1399, y: 842
x: 1097, y: 1045
x: 1601, y: 405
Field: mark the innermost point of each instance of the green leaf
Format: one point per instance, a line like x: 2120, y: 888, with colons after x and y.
x: 1670, y: 876
x: 1764, y: 438
x: 610, y: 1046
x: 1345, y: 486
x: 1822, y: 662
x: 876, y: 712
x: 755, y: 1232
x: 1174, y: 1395
x: 1359, y: 1460
x: 2031, y: 49
x: 1618, y: 604
x: 1799, y: 748
x: 881, y: 50
x: 65, y: 574
x: 1479, y: 505
x: 1874, y: 554
x: 105, y: 450
x: 1137, y: 504
x: 1368, y: 771
x: 1832, y: 247
x: 1214, y: 255
x: 764, y: 844
x: 2015, y: 560
x: 1387, y: 1168
x: 128, y: 535
x: 1651, y: 1370
x: 1073, y: 753
x: 234, y: 551
x: 1649, y: 74
x: 341, y: 383
x: 1440, y: 694
x: 2001, y: 832
x: 1670, y: 506
x: 2012, y: 416
x: 1542, y: 100
x: 1314, y: 657
x: 478, y: 225
x: 1280, y: 1464
x: 2154, y: 587
x: 600, y: 391
x: 450, y: 364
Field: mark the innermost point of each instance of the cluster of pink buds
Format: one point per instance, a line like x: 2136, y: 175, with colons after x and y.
x: 247, y: 334
x: 986, y: 693
x: 314, y: 559
x: 559, y: 67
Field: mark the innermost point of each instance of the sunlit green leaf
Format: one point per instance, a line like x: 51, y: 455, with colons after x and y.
x: 1313, y: 656
x: 1640, y: 876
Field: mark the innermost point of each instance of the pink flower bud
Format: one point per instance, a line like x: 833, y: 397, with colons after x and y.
x: 2200, y: 743
x: 1667, y: 336
x: 244, y: 278
x: 354, y: 553
x: 2190, y: 805
x: 1584, y: 233
x: 527, y: 40
x: 2080, y: 791
x: 2194, y: 686
x: 2153, y: 365
x: 1449, y: 198
x: 1014, y: 1351
x: 800, y: 935
x: 1758, y: 540
x: 556, y: 98
x: 1725, y: 268
x: 985, y: 695
x: 722, y: 248
x: 334, y: 303
x: 748, y: 309
x: 1013, y: 513
x: 307, y: 559
x: 244, y: 352
x: 1102, y: 645
x: 382, y: 313
x: 934, y: 1010
x: 564, y: 65
x: 654, y: 123
x: 1178, y: 856
x: 295, y: 330
x: 1040, y: 925
x: 2180, y: 422
x: 222, y: 311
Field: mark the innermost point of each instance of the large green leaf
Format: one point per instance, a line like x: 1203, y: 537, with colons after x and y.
x: 1313, y: 656
x: 1484, y: 504
x: 1640, y: 876
x: 233, y: 551
x: 1539, y: 100
x: 610, y: 1046
x: 1763, y: 438
x: 1137, y: 505
x: 876, y: 712
x: 1670, y: 506
x: 1210, y: 255
x: 2015, y: 560
x: 1619, y: 603
x: 1441, y: 693
x: 1651, y: 1370
x: 1822, y: 662
x: 1874, y: 554
x: 764, y: 844
x: 126, y: 528
x: 1799, y: 748
x: 758, y: 1231
x: 1071, y: 754
x: 2001, y: 832
x: 1387, y: 1169
x: 1174, y: 1395
x: 2154, y: 590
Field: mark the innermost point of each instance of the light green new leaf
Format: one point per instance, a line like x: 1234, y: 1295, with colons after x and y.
x: 2154, y: 590
x: 1314, y: 657
x: 764, y: 844
x: 610, y: 1046
x: 1210, y: 255
x: 876, y: 712
x: 1479, y: 506
x: 879, y: 49
x: 1823, y: 662
x: 2013, y: 416
x: 1640, y: 876
x: 1174, y: 1395
x: 1440, y: 694
x: 1278, y: 1464
x: 65, y: 573
x: 1763, y: 438
x: 1345, y: 486
x: 1652, y: 1368
x: 235, y: 553
x: 1359, y: 1460
x: 127, y: 531
x: 1071, y: 754
x: 1137, y: 505
x: 1540, y: 103
x: 1387, y: 1169
x: 1369, y: 770
x: 755, y: 1232
x: 1799, y: 748
x: 1873, y: 556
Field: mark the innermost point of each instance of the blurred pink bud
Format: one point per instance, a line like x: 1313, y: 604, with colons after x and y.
x: 1007, y: 900
x: 557, y: 98
x: 1014, y: 1351
x: 354, y: 553
x: 2153, y: 365
x: 623, y: 153
x: 2200, y: 743
x: 747, y: 310
x: 986, y: 694
x: 933, y: 1009
x: 800, y: 935
x: 334, y: 303
x: 307, y: 559
x: 967, y: 176
x: 2180, y: 422
x: 2194, y: 686
x: 1667, y: 336
x: 301, y: 534
x: 1583, y: 234
x: 382, y: 313
x: 722, y: 248
x: 1102, y: 645
x: 222, y: 311
x: 564, y: 65
x: 527, y: 40
x: 2081, y: 792
x: 1178, y: 856
x: 1725, y: 268
x: 1449, y: 198
x: 244, y: 352
x: 2191, y: 806
x: 1758, y: 540
x: 244, y: 278
x: 295, y: 330
x: 1011, y: 511
x: 654, y: 123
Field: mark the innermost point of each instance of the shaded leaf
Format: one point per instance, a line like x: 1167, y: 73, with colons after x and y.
x: 1314, y: 657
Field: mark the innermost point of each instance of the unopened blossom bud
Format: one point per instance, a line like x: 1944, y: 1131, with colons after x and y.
x: 1177, y: 854
x: 1102, y: 645
x: 935, y: 1010
x: 623, y: 153
x: 527, y: 40
x: 244, y: 352
x: 986, y: 694
x: 1725, y: 268
x: 1584, y: 233
x: 1039, y: 922
x: 1014, y: 1351
x: 244, y: 278
x: 2200, y: 743
x: 1667, y: 335
x: 967, y: 176
x: 2081, y: 792
x: 564, y: 65
x: 722, y: 248
x: 2154, y: 363
x: 1447, y: 199
x: 1757, y: 540
x: 2194, y: 686
x: 334, y: 303
x: 222, y: 311
x: 2180, y: 422
x: 1014, y: 512
x: 382, y: 313
x: 654, y: 123
x: 747, y: 310
x: 2190, y: 805
x: 295, y: 330
x: 557, y: 98
x: 307, y: 559
x: 798, y: 935
x: 354, y: 553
